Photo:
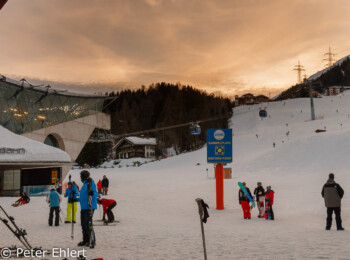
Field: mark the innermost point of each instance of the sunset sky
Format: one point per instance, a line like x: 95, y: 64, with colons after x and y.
x: 235, y: 46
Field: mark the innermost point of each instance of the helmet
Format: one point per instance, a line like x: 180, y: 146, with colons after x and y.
x: 84, y: 175
x: 243, y: 183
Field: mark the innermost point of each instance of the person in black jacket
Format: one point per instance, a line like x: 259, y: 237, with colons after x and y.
x: 244, y: 201
x: 259, y: 193
x: 332, y: 193
x: 105, y: 184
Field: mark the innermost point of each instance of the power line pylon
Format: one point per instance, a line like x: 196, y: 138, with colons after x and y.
x: 299, y: 68
x: 330, y: 59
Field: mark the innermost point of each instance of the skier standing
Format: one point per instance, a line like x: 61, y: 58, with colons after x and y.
x: 269, y: 197
x: 59, y: 186
x: 332, y: 193
x: 54, y: 200
x: 105, y: 184
x: 108, y: 205
x: 72, y: 193
x: 99, y: 186
x: 244, y: 201
x: 84, y: 206
x: 259, y: 193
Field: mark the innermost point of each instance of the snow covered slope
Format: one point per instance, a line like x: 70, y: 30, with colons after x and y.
x: 156, y: 202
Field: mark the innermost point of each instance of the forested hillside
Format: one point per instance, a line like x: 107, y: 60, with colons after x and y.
x: 165, y: 104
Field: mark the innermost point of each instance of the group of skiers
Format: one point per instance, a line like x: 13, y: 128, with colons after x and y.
x: 263, y: 198
x: 73, y: 197
x: 102, y: 186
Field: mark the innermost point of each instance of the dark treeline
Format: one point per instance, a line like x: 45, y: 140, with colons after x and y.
x: 165, y: 104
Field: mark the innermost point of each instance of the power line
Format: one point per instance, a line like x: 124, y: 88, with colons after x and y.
x: 167, y: 127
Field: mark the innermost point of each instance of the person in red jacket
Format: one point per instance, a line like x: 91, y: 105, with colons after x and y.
x: 269, y: 196
x: 108, y: 205
x: 99, y: 187
x: 244, y: 201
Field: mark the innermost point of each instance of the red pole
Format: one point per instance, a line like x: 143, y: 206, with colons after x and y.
x: 219, y: 172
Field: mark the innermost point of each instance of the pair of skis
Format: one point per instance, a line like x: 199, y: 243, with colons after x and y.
x: 91, y: 212
x: 18, y: 232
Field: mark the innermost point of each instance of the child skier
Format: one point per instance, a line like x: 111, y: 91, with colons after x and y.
x: 72, y: 193
x: 269, y: 196
x: 107, y: 205
x: 244, y: 201
x: 259, y: 193
x: 99, y: 187
x: 24, y: 199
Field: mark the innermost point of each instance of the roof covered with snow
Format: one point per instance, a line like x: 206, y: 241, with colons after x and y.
x: 137, y: 141
x: 141, y: 141
x: 20, y: 149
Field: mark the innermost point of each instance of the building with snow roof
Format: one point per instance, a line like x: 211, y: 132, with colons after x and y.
x: 335, y: 90
x: 58, y: 118
x: 132, y: 146
x: 26, y: 164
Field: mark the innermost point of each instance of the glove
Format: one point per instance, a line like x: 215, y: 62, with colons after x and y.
x: 91, y: 193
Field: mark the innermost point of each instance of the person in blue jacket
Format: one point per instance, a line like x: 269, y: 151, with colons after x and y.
x: 54, y: 200
x: 72, y: 193
x: 84, y: 206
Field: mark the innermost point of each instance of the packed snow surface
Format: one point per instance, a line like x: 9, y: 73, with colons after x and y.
x: 156, y: 201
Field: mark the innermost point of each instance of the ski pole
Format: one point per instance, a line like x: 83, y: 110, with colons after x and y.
x: 60, y: 216
x: 72, y: 233
x: 200, y: 211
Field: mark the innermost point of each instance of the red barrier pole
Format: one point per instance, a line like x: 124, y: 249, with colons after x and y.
x: 219, y: 172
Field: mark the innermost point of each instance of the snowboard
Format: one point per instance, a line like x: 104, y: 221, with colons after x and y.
x: 246, y: 193
x: 267, y: 210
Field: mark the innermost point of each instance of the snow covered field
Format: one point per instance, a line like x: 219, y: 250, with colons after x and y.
x: 156, y: 202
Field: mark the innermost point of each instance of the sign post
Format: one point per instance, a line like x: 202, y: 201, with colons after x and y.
x: 219, y: 151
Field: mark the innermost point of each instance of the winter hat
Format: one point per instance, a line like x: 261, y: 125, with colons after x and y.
x: 52, y: 187
x: 268, y: 187
x: 331, y: 176
x: 259, y: 182
x: 70, y: 183
x: 243, y: 183
x: 84, y: 175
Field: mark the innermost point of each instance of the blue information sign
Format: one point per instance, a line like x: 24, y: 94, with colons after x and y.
x: 219, y: 145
